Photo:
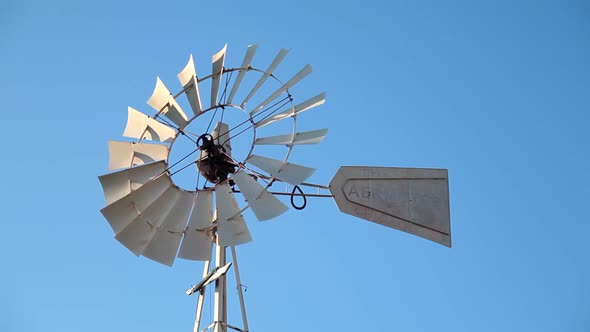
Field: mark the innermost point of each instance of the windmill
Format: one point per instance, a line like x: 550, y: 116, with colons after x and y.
x: 154, y: 217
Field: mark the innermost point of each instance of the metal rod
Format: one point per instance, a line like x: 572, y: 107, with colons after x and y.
x: 220, y: 315
x: 208, y: 327
x: 306, y: 195
x: 262, y: 176
x: 294, y: 194
x: 239, y: 287
x: 201, y: 299
x: 235, y: 328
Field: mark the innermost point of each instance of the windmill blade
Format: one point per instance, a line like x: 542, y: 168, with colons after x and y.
x: 122, y: 212
x: 190, y: 83
x: 141, y: 126
x: 290, y: 173
x: 245, y: 65
x: 412, y: 200
x: 275, y: 63
x: 306, y: 137
x: 231, y: 227
x: 142, y: 229
x: 163, y: 102
x: 197, y: 245
x: 293, y: 111
x: 294, y: 80
x: 164, y: 245
x: 218, y: 60
x: 117, y: 185
x: 127, y: 154
x: 264, y: 204
x: 221, y: 136
x: 198, y: 236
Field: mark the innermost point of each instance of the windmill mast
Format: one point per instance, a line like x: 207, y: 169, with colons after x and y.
x: 220, y: 312
x: 218, y: 275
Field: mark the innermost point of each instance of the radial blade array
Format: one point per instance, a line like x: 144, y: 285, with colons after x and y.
x: 242, y: 72
x: 127, y: 154
x: 264, y: 204
x: 153, y: 217
x: 217, y: 71
x: 290, y: 173
x: 189, y: 81
x: 306, y: 137
x: 294, y: 111
x: 275, y: 63
x: 163, y: 102
x: 141, y: 126
x: 198, y: 237
x: 231, y: 227
x: 294, y: 80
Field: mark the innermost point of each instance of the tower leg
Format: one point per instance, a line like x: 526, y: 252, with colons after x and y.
x: 201, y: 300
x: 220, y: 311
x: 239, y: 287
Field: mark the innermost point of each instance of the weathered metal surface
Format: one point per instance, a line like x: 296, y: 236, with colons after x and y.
x: 412, y: 200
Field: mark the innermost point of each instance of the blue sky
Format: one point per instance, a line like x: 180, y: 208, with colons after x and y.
x: 495, y: 91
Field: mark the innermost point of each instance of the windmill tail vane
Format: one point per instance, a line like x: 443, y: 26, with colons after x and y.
x: 153, y: 216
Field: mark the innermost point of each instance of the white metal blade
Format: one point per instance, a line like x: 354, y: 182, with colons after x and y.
x: 231, y: 227
x: 413, y: 200
x: 163, y: 101
x: 118, y: 184
x: 245, y: 64
x: 305, y: 137
x: 295, y: 110
x: 189, y: 81
x: 198, y: 236
x: 122, y: 212
x: 164, y: 245
x: 142, y: 229
x: 141, y: 126
x: 290, y: 173
x: 221, y: 136
x: 294, y: 80
x: 264, y: 204
x: 217, y: 71
x: 202, y: 214
x: 197, y: 245
x: 127, y: 154
x: 275, y: 63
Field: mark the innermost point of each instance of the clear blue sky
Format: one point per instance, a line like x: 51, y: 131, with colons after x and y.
x: 498, y: 92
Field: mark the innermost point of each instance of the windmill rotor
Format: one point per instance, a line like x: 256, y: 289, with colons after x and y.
x: 154, y: 215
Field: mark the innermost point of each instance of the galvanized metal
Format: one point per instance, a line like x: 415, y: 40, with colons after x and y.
x: 201, y: 299
x: 220, y: 306
x: 239, y: 288
x: 413, y: 200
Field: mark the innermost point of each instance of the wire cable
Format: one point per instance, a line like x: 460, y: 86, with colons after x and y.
x: 282, y: 103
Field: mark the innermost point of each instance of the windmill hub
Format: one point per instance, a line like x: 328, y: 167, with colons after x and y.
x: 215, y: 164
